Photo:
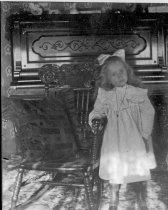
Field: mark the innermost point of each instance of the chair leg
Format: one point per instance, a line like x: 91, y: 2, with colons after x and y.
x: 17, y: 187
x: 89, y: 191
x: 93, y: 175
x: 99, y: 190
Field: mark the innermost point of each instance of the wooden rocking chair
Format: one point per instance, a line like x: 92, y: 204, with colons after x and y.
x: 83, y: 161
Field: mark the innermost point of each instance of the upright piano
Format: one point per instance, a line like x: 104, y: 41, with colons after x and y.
x: 56, y: 51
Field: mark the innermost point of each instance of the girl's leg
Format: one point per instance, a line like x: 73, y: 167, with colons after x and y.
x: 140, y: 190
x: 114, y: 196
x: 103, y: 198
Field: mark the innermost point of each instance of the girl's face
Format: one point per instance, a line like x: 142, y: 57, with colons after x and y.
x: 117, y: 74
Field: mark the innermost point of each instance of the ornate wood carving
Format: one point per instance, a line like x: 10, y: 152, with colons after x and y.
x: 73, y: 75
x: 56, y: 46
x: 51, y: 74
x: 41, y: 47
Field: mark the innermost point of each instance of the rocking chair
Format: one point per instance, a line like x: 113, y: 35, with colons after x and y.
x: 83, y: 162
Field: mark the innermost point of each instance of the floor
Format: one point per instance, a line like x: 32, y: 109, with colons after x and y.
x: 60, y: 198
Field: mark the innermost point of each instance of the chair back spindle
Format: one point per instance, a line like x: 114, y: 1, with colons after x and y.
x: 82, y: 102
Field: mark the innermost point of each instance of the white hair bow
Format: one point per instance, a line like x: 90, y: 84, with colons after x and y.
x: 120, y: 53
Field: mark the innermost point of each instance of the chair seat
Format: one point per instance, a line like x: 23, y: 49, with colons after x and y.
x: 65, y: 163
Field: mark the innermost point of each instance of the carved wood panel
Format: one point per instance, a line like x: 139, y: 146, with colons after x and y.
x: 51, y: 46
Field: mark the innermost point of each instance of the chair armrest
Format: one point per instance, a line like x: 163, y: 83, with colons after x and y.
x: 98, y: 125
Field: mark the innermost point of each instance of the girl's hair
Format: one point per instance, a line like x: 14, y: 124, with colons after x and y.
x: 103, y: 79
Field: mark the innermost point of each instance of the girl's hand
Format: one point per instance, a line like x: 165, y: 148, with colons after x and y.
x: 98, y: 124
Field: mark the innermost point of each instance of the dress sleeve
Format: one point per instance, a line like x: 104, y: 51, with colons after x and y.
x: 147, y: 117
x: 99, y: 108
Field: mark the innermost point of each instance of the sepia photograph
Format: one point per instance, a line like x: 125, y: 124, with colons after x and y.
x: 84, y: 105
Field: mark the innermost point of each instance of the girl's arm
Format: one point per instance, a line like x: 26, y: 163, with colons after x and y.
x: 99, y: 108
x: 147, y: 117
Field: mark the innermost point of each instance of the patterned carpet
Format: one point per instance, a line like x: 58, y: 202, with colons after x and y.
x: 60, y: 198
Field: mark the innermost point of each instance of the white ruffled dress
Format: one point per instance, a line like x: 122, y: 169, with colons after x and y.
x: 124, y: 155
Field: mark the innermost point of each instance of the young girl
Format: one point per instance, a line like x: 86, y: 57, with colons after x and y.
x: 126, y: 154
